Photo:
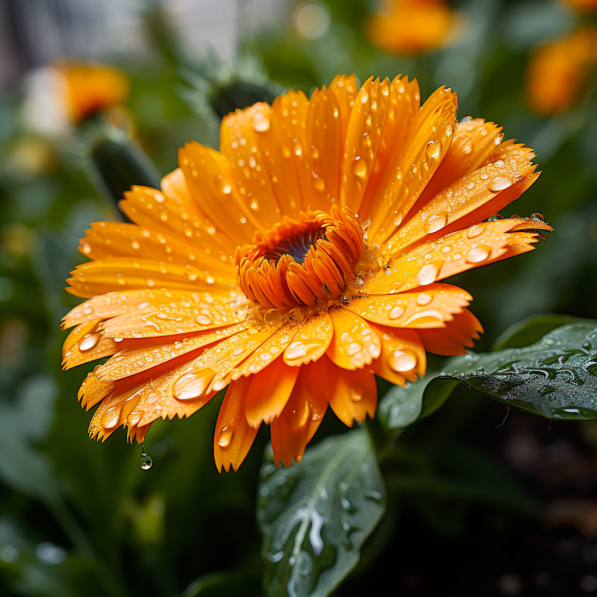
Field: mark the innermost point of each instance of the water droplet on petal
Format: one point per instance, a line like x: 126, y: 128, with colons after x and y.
x: 89, y: 342
x: 477, y: 255
x: 296, y: 350
x: 423, y: 299
x: 436, y: 222
x: 427, y: 274
x: 402, y: 361
x: 498, y: 184
x: 192, y: 385
x: 353, y: 349
x: 396, y: 312
x: 225, y: 438
x: 356, y: 394
x: 223, y: 185
x: 359, y: 168
x: 433, y: 150
x: 474, y: 231
x: 272, y: 317
x: 110, y: 418
x: 260, y: 122
x: 203, y: 320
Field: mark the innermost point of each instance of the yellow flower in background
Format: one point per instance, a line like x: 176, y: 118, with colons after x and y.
x: 582, y: 5
x: 295, y: 264
x: 411, y: 26
x: 557, y: 74
x: 61, y: 95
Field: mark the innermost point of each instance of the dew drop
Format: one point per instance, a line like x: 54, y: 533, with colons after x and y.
x: 436, y: 222
x: 477, y: 255
x: 402, y: 361
x: 474, y: 231
x: 319, y: 184
x: 146, y: 461
x: 260, y: 122
x: 314, y: 152
x: 89, y: 342
x: 110, y: 418
x: 272, y: 317
x: 353, y: 349
x: 423, y: 299
x: 498, y: 184
x: 356, y: 394
x: 296, y: 350
x: 359, y: 168
x: 427, y: 274
x: 225, y: 438
x: 296, y: 315
x: 203, y: 320
x: 433, y: 150
x: 223, y: 185
x: 192, y: 385
x: 134, y: 418
x: 396, y: 312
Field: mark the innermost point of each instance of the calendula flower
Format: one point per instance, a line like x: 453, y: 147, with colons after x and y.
x: 557, y: 74
x: 61, y: 95
x: 295, y: 264
x: 411, y: 26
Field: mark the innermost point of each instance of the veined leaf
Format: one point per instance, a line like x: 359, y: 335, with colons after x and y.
x: 316, y: 516
x: 556, y: 378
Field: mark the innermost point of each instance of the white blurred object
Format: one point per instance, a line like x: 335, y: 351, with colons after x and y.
x: 311, y: 19
x: 45, y: 109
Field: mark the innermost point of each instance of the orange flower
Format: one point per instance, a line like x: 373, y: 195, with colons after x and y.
x: 558, y: 71
x: 411, y: 26
x: 251, y: 269
x: 582, y: 5
x: 91, y: 88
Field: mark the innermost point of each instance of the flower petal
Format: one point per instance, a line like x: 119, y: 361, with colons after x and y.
x: 423, y: 308
x: 452, y: 340
x: 211, y: 182
x: 363, y: 138
x: 310, y: 342
x: 409, y: 171
x: 269, y: 392
x: 234, y: 436
x: 354, y: 396
x: 449, y: 255
x: 345, y: 88
x: 85, y: 343
x: 354, y: 343
x: 402, y: 355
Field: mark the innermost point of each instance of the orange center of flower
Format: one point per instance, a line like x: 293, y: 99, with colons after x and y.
x: 301, y: 262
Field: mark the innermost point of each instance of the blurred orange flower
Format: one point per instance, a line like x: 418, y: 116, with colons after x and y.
x: 557, y: 73
x: 92, y: 87
x: 295, y: 264
x: 582, y: 5
x: 411, y: 26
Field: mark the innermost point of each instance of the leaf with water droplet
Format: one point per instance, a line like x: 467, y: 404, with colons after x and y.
x: 316, y: 515
x: 556, y: 377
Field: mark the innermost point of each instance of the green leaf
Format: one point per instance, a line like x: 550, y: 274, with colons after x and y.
x: 555, y: 378
x: 532, y: 329
x: 316, y: 515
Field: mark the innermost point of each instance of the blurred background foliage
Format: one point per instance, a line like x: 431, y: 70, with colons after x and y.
x: 81, y: 518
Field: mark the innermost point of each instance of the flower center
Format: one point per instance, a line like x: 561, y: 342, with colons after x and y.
x: 301, y: 262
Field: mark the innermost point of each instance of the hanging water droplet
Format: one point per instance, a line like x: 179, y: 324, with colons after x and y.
x: 498, y: 184
x: 146, y: 461
x: 225, y: 438
x: 436, y: 222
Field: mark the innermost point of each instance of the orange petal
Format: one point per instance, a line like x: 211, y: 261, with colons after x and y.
x: 508, y: 151
x: 86, y: 344
x: 324, y: 151
x: 423, y: 308
x: 157, y: 211
x: 138, y: 356
x: 114, y: 239
x: 250, y: 163
x: 354, y: 395
x: 453, y: 339
x: 311, y: 341
x: 113, y: 304
x: 460, y: 199
x: 363, y: 138
x: 345, y: 88
x: 234, y: 436
x: 404, y: 99
x: 269, y: 392
x: 449, y: 255
x: 93, y: 390
x: 354, y: 343
x: 211, y: 181
x: 402, y: 355
x: 410, y: 170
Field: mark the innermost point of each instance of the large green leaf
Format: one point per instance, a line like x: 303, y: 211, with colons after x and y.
x: 556, y: 378
x: 316, y: 515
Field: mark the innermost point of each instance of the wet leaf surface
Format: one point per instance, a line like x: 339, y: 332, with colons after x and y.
x: 315, y: 516
x: 556, y: 378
